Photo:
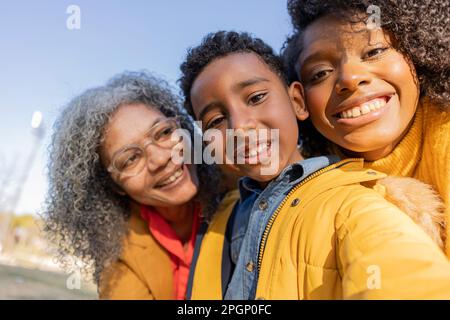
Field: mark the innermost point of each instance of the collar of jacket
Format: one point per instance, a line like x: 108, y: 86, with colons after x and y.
x: 147, y: 258
x: 291, y: 175
x: 207, y: 277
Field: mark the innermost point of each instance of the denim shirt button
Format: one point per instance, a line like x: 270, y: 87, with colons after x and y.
x: 295, y: 202
x: 250, y: 267
x: 262, y: 205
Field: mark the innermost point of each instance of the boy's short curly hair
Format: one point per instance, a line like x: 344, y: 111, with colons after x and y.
x: 421, y: 29
x: 220, y: 44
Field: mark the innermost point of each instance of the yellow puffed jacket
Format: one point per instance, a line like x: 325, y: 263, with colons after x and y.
x: 333, y: 237
x: 424, y: 154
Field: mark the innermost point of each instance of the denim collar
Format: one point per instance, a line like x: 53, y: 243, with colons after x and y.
x: 291, y: 175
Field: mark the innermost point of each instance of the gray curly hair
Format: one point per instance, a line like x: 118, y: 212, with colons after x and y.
x: 83, y: 215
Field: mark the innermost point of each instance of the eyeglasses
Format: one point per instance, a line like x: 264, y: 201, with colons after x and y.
x: 131, y: 159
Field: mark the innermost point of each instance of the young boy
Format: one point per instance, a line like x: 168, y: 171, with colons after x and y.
x: 310, y: 229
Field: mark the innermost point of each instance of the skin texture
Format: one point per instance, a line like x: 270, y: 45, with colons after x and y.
x: 240, y: 91
x: 128, y: 125
x: 342, y: 63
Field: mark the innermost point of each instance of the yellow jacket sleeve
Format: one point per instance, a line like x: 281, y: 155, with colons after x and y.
x: 121, y: 283
x: 383, y: 254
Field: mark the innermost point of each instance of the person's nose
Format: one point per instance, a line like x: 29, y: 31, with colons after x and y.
x: 157, y: 158
x: 244, y: 123
x: 242, y: 118
x: 352, y: 76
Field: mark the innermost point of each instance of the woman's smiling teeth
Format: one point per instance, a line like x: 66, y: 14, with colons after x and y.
x: 363, y: 108
x: 171, y: 179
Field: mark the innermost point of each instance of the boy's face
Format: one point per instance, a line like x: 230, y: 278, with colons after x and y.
x: 361, y: 93
x: 241, y: 92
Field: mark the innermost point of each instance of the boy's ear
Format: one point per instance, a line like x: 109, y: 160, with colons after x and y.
x: 297, y: 96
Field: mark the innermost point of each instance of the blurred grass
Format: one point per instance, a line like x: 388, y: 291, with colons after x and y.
x: 30, y: 284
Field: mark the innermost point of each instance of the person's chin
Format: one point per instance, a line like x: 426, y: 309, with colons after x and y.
x: 259, y: 173
x: 366, y: 141
x: 177, y: 199
x: 180, y: 193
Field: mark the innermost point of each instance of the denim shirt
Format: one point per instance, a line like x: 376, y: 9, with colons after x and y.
x: 254, y: 210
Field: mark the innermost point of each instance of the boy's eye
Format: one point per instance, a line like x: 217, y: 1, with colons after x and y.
x: 319, y: 75
x: 374, y: 52
x: 255, y: 99
x: 216, y: 121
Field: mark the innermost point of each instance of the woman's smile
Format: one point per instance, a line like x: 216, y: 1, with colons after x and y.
x: 173, y: 180
x: 360, y: 114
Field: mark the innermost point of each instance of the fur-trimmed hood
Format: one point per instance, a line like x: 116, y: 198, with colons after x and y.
x: 419, y: 201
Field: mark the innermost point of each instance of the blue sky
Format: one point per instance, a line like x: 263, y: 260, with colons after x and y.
x: 43, y: 64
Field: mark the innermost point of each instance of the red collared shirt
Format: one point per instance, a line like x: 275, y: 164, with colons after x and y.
x: 169, y: 240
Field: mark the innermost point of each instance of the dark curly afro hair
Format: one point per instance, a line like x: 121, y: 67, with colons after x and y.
x: 220, y: 44
x: 421, y: 29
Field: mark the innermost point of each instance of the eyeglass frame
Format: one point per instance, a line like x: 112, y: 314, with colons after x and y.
x: 112, y: 168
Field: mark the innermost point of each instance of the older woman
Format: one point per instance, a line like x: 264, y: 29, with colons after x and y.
x: 117, y: 200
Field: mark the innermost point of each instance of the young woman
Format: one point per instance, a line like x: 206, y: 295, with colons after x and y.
x: 376, y: 84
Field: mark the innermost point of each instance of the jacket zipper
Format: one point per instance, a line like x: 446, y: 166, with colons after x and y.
x: 283, y: 202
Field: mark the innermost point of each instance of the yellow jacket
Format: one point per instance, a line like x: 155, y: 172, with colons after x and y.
x: 333, y: 238
x: 424, y: 154
x: 143, y: 272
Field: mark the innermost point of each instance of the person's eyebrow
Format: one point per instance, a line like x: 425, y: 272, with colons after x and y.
x: 243, y: 84
x: 207, y: 108
x: 154, y: 123
x: 311, y: 57
x: 238, y: 86
x: 157, y: 120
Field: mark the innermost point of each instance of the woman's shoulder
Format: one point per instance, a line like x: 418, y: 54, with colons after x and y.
x: 138, y: 238
x: 143, y: 266
x: 436, y: 120
x: 434, y: 166
x: 138, y: 232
